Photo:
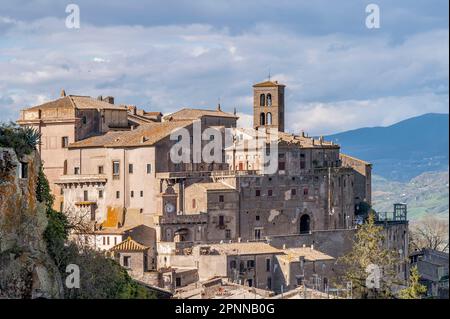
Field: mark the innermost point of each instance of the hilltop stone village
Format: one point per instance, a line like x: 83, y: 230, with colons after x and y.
x: 203, y: 229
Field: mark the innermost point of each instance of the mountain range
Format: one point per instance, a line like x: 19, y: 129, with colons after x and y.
x: 410, y: 162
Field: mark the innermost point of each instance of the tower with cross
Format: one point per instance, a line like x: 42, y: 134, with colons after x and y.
x: 268, y: 105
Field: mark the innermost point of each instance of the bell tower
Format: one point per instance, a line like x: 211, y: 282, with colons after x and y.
x: 268, y: 105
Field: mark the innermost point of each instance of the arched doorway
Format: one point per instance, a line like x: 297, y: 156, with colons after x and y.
x: 305, y: 224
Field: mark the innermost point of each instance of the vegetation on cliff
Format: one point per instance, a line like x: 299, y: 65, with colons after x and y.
x: 27, y: 222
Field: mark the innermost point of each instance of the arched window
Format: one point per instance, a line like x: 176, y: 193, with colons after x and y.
x: 269, y: 118
x: 262, y: 119
x: 262, y: 100
x: 305, y: 224
x: 269, y: 99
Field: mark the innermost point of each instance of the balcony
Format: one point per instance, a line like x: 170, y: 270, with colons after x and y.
x: 82, y: 179
x: 201, y: 218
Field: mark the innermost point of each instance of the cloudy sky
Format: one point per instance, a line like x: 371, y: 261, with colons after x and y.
x: 162, y: 55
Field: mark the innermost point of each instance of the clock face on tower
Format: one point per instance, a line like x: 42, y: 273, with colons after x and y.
x: 169, y: 208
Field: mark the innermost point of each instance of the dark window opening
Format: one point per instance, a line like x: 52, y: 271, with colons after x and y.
x: 100, y: 169
x: 257, y: 193
x: 85, y: 196
x: 23, y: 170
x: 130, y: 168
x: 65, y: 141
x: 221, y: 198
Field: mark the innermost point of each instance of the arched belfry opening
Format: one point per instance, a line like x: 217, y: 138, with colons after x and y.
x: 305, y: 224
x: 262, y: 100
x: 269, y: 99
x: 262, y: 119
x: 269, y: 118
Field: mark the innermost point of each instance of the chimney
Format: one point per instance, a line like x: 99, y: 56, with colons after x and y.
x: 132, y: 109
x: 100, y: 98
x: 312, y: 247
x: 239, y: 239
x: 109, y: 99
x: 284, y: 246
x: 218, y: 107
x: 63, y: 93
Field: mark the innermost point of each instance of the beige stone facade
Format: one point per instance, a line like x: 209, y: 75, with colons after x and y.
x: 113, y: 166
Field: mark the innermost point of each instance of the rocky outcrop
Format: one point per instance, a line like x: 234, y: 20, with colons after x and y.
x: 26, y: 269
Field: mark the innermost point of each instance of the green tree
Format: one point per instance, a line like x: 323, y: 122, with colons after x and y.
x: 368, y: 259
x: 415, y: 289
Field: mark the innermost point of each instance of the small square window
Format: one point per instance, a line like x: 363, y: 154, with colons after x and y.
x: 130, y: 168
x: 257, y: 192
x: 100, y: 169
x: 269, y: 192
x: 149, y: 168
x: 100, y: 193
x: 76, y: 170
x: 221, y: 198
x: 117, y: 194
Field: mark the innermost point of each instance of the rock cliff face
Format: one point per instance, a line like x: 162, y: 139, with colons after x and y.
x: 26, y: 269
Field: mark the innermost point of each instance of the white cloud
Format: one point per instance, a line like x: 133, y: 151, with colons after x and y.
x: 334, y: 82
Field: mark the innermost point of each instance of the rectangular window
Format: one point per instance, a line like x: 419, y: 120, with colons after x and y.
x: 64, y: 141
x: 76, y: 170
x: 107, y: 240
x: 305, y: 191
x: 193, y: 203
x: 250, y: 263
x: 116, y: 168
x: 293, y: 192
x: 281, y: 166
x: 227, y: 234
x: 130, y: 168
x: 115, y: 241
x: 126, y: 261
x: 23, y: 170
x: 85, y: 196
x: 221, y: 220
x: 257, y: 234
x: 132, y: 194
x: 142, y: 193
x: 257, y: 217
x: 302, y: 164
x: 269, y: 192
x: 257, y: 193
x: 233, y: 264
x: 104, y: 240
x: 100, y: 193
x: 100, y: 169
x: 267, y: 264
x: 149, y: 168
x: 117, y: 194
x: 221, y: 198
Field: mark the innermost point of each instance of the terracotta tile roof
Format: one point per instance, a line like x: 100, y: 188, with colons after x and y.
x: 268, y: 84
x: 145, y: 135
x: 193, y: 114
x: 129, y: 245
x: 77, y: 101
x: 248, y: 248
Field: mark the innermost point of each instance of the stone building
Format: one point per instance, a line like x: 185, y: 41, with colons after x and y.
x: 195, y: 179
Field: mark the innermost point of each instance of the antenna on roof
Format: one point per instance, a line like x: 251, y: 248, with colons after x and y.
x: 63, y: 93
x: 269, y: 74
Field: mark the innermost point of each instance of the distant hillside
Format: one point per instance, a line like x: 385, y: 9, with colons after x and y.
x: 401, y: 151
x: 427, y: 193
